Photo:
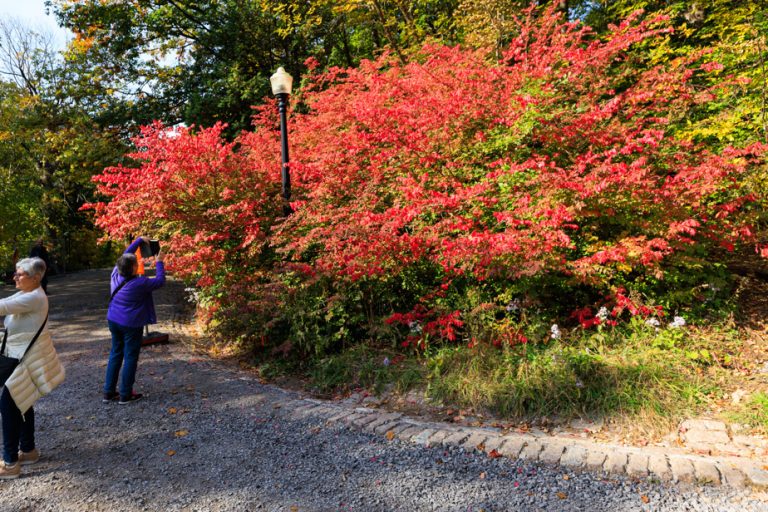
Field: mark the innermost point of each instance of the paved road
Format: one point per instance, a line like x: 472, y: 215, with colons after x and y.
x: 209, y: 437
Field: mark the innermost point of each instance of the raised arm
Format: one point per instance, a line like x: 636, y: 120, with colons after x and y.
x: 135, y: 245
x: 159, y: 279
x: 19, y: 303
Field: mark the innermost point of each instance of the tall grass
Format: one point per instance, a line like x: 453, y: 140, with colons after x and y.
x: 591, y: 376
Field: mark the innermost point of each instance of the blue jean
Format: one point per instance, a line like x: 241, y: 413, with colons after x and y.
x: 18, y: 430
x: 126, y: 345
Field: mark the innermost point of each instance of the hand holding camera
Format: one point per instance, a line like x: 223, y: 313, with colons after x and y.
x: 150, y: 248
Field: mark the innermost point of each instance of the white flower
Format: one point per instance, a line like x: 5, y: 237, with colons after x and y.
x: 414, y: 326
x: 194, y: 296
x: 386, y: 361
x: 653, y: 322
x: 677, y: 322
x: 579, y: 384
x: 555, y: 330
x: 513, y: 306
x: 602, y: 314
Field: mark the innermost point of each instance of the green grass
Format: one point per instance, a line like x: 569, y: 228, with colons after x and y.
x: 754, y: 412
x: 365, y: 367
x: 639, y: 375
x: 566, y: 382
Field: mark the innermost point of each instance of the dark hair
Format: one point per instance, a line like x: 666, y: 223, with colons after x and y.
x: 126, y: 265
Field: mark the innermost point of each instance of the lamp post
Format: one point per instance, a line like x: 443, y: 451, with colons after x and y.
x: 281, y: 88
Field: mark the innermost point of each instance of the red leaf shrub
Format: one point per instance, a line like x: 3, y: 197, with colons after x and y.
x: 210, y: 204
x: 418, y: 182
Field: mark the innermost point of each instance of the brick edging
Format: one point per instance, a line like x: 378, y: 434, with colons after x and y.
x: 575, y: 454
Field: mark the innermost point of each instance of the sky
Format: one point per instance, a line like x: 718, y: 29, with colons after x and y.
x: 32, y: 14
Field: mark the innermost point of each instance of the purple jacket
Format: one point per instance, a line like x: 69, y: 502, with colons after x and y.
x: 133, y: 305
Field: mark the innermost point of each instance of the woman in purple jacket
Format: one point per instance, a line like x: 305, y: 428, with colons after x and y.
x: 130, y: 309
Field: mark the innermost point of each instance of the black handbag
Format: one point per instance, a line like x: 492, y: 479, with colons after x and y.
x: 8, y: 364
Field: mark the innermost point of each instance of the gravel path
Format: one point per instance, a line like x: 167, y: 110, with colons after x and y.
x: 208, y: 437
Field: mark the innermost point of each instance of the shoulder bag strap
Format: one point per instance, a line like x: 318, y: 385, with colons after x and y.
x: 118, y: 288
x: 39, y: 331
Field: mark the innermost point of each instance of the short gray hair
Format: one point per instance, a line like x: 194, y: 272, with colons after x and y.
x: 126, y: 264
x: 34, y: 267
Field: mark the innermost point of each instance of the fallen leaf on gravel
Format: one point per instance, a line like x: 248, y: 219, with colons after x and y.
x: 171, y: 410
x: 494, y: 454
x: 480, y: 447
x: 390, y: 435
x: 294, y: 508
x: 644, y: 498
x: 181, y: 433
x: 69, y: 418
x: 566, y: 477
x: 482, y: 475
x: 562, y: 495
x: 170, y: 453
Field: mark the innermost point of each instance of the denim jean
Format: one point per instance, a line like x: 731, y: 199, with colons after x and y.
x: 126, y: 345
x: 18, y: 430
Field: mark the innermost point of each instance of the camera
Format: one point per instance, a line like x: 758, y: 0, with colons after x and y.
x: 150, y: 248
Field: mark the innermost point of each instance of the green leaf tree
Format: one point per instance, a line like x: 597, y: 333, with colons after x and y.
x: 50, y: 146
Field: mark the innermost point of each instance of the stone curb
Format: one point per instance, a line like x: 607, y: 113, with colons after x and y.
x: 653, y: 464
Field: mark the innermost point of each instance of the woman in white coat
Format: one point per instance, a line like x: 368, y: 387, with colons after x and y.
x: 38, y: 373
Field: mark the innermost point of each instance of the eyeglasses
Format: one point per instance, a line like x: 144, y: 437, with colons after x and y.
x: 20, y: 275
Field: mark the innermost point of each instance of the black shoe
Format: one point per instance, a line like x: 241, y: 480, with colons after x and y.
x: 109, y: 397
x: 128, y: 399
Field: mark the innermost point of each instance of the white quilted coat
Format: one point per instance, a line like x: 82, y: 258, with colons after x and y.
x: 40, y: 370
x: 39, y: 373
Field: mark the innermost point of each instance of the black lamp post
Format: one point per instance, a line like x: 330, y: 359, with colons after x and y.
x: 281, y: 87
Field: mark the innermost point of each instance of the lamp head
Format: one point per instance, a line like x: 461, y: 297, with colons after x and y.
x: 281, y: 82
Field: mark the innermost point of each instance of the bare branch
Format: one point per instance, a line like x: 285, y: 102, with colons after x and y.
x: 25, y: 54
